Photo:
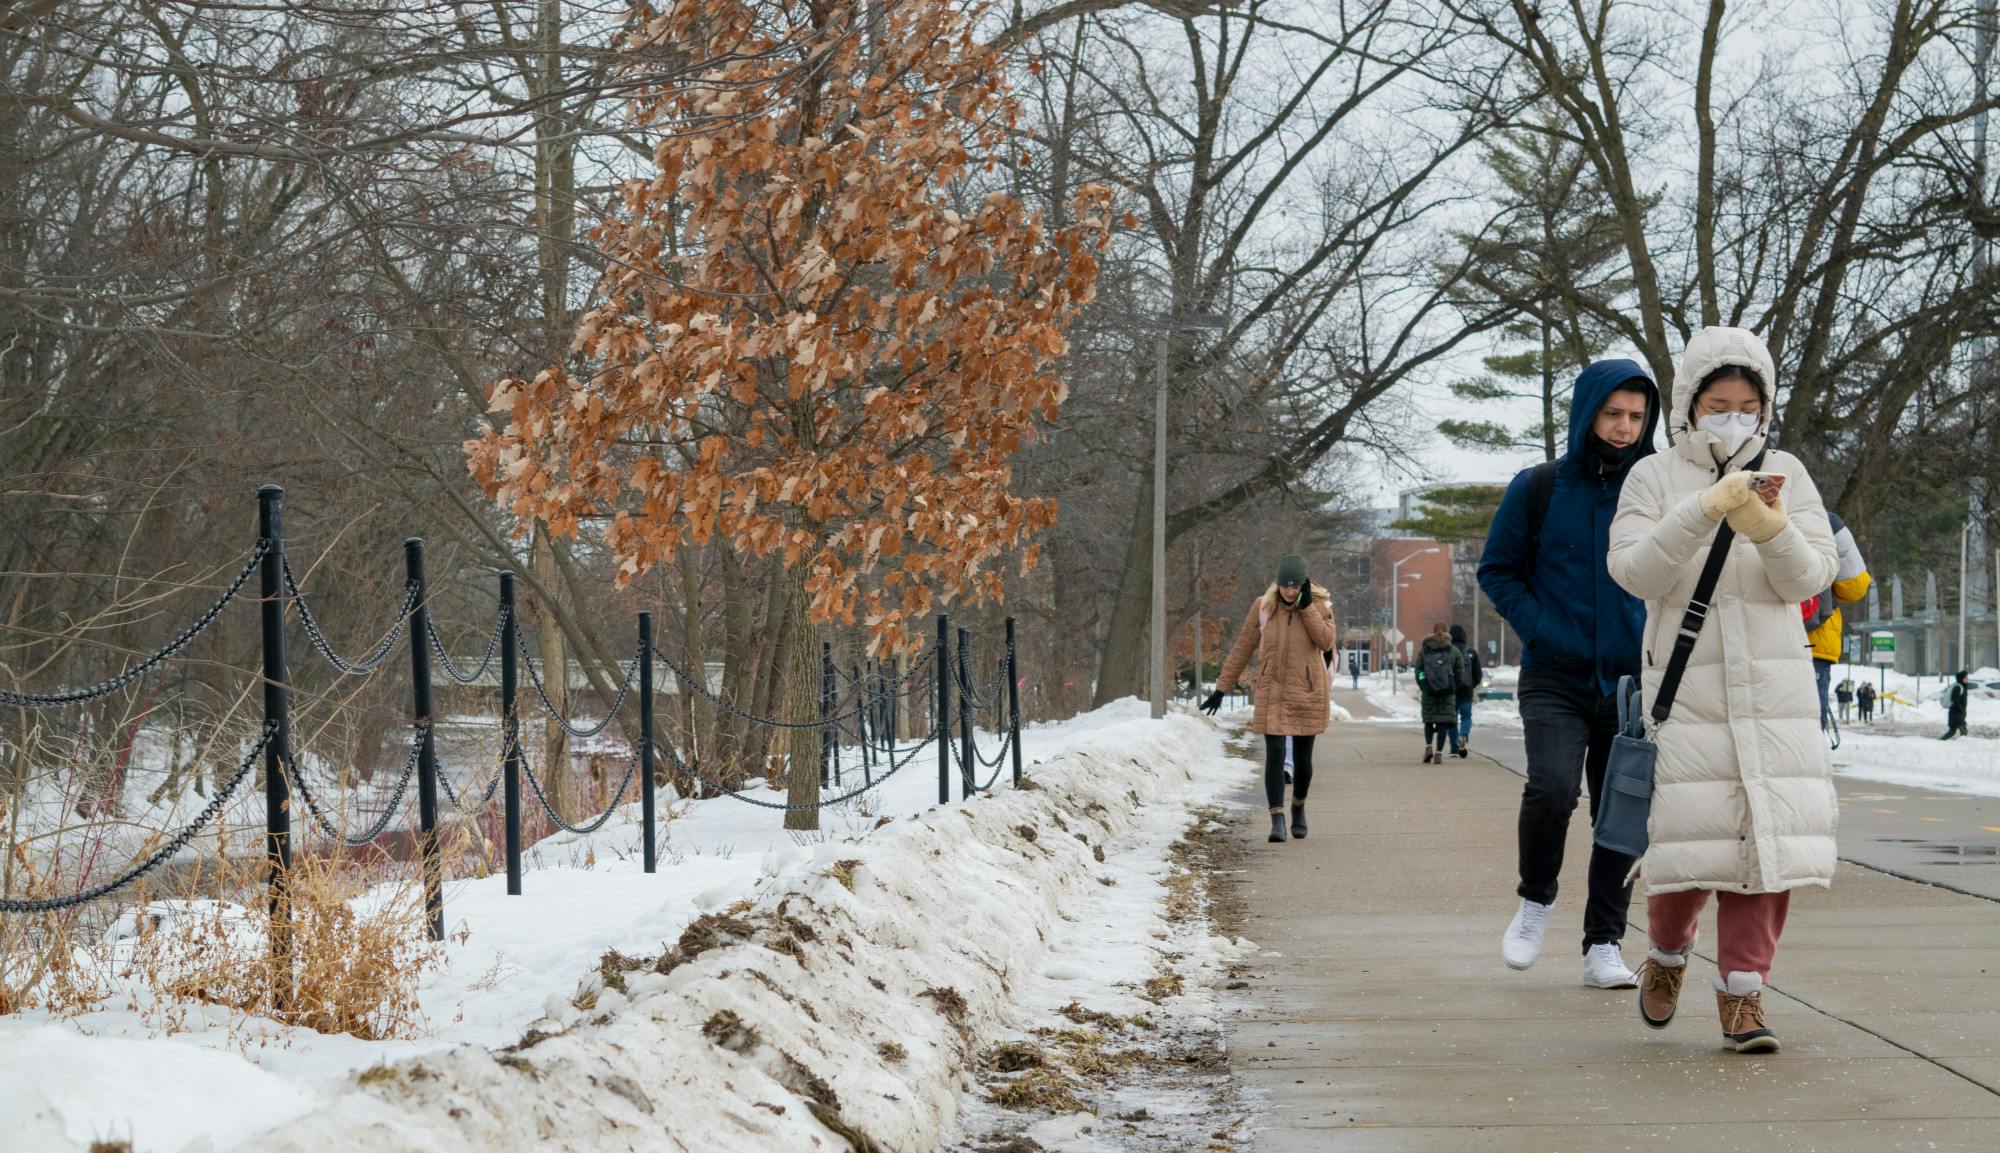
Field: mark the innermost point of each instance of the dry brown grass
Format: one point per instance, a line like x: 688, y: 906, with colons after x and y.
x: 1044, y: 1088
x: 358, y: 955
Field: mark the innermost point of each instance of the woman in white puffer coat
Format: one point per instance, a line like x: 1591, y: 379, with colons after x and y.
x: 1743, y: 801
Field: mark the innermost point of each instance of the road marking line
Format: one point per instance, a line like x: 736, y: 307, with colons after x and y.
x: 1990, y: 828
x: 1937, y: 820
x: 1888, y: 812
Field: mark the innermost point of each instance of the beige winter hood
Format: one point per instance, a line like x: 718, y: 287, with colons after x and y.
x: 1708, y: 350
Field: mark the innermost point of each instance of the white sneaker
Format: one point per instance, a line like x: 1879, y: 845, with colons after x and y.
x: 1522, y: 942
x: 1604, y: 968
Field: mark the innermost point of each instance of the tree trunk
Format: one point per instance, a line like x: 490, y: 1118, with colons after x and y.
x: 739, y: 623
x: 557, y: 780
x: 1118, y: 668
x: 697, y: 715
x: 801, y: 701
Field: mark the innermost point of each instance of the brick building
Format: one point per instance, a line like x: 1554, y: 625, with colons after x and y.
x: 1424, y: 592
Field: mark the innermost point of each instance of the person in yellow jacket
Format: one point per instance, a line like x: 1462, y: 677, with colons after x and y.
x: 1824, y: 627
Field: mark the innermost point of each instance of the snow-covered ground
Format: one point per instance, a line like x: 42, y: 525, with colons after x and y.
x: 849, y: 977
x: 1901, y: 751
x: 1395, y: 695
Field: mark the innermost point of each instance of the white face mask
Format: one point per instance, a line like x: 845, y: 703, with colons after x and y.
x: 1730, y: 428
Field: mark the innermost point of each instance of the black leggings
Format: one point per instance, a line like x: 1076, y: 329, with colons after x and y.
x: 1439, y: 732
x: 1274, y: 769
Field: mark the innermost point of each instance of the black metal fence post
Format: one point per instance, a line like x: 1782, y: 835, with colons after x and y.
x: 966, y: 765
x: 277, y: 796
x: 646, y: 734
x: 894, y: 704
x: 420, y: 691
x: 510, y: 729
x: 943, y: 719
x: 1014, y: 699
x: 865, y: 723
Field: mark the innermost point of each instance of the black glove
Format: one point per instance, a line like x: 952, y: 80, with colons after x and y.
x: 1212, y: 702
x: 1305, y: 594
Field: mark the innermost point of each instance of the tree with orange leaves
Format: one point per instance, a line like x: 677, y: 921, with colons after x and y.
x: 806, y: 341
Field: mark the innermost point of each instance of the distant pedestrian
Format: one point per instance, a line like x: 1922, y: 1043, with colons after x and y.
x: 1354, y: 671
x: 1543, y: 568
x: 1955, y: 696
x: 1826, y: 630
x: 1438, y: 669
x: 1741, y: 751
x: 1843, y: 694
x: 1469, y: 676
x: 1864, y: 699
x: 1287, y: 630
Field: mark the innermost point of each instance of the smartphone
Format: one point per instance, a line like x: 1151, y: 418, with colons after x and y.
x: 1767, y: 484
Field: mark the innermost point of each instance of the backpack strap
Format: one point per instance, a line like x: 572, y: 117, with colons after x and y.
x: 1541, y: 490
x: 1696, y: 614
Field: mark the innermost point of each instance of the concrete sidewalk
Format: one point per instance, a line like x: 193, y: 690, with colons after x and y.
x: 1381, y: 1018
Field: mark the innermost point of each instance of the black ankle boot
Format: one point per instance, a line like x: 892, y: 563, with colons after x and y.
x: 1298, y: 822
x: 1277, y: 826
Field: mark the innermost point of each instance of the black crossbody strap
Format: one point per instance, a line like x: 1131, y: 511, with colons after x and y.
x: 1696, y: 614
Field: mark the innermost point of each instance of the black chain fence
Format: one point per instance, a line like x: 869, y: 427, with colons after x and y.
x: 859, y: 716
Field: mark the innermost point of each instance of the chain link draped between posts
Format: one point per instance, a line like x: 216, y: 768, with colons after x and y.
x: 997, y: 764
x: 383, y: 648
x: 318, y: 811
x: 527, y: 770
x: 492, y: 646
x: 857, y: 706
x: 165, y: 851
x: 485, y: 795
x: 568, y: 724
x: 768, y: 722
x: 717, y: 789
x: 160, y: 655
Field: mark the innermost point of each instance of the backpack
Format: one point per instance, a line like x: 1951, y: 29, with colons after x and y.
x: 1437, y: 670
x: 1469, y: 672
x: 1541, y: 490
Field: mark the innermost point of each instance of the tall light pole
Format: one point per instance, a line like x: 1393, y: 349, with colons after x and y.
x: 1165, y: 323
x: 1964, y: 538
x: 1396, y: 589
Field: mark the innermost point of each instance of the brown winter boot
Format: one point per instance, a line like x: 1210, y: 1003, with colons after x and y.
x: 1741, y: 1006
x: 1660, y: 991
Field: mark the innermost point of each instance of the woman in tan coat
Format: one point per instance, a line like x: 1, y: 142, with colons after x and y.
x: 1289, y: 629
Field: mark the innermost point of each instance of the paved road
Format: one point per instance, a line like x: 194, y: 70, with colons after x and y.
x: 1379, y: 1016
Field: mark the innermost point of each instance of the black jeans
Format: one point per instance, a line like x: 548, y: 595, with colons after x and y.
x: 1569, y: 730
x: 1274, y: 770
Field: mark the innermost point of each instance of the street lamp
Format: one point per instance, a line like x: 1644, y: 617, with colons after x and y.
x: 1165, y: 323
x: 1964, y: 538
x: 1395, y: 590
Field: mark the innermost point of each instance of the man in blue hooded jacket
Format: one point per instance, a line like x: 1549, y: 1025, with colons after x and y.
x: 1544, y: 570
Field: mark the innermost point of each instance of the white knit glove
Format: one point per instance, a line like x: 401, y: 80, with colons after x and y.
x: 1756, y: 521
x: 1726, y: 495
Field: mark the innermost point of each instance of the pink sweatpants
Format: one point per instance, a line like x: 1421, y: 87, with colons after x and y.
x: 1747, y: 926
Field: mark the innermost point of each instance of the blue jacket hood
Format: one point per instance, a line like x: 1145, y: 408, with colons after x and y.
x: 1594, y: 385
x: 1554, y: 587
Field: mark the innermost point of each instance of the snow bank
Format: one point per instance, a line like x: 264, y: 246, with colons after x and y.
x: 1965, y: 765
x: 839, y: 985
x: 1396, y: 698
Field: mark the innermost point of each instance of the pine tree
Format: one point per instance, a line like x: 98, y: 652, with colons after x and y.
x: 1555, y: 255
